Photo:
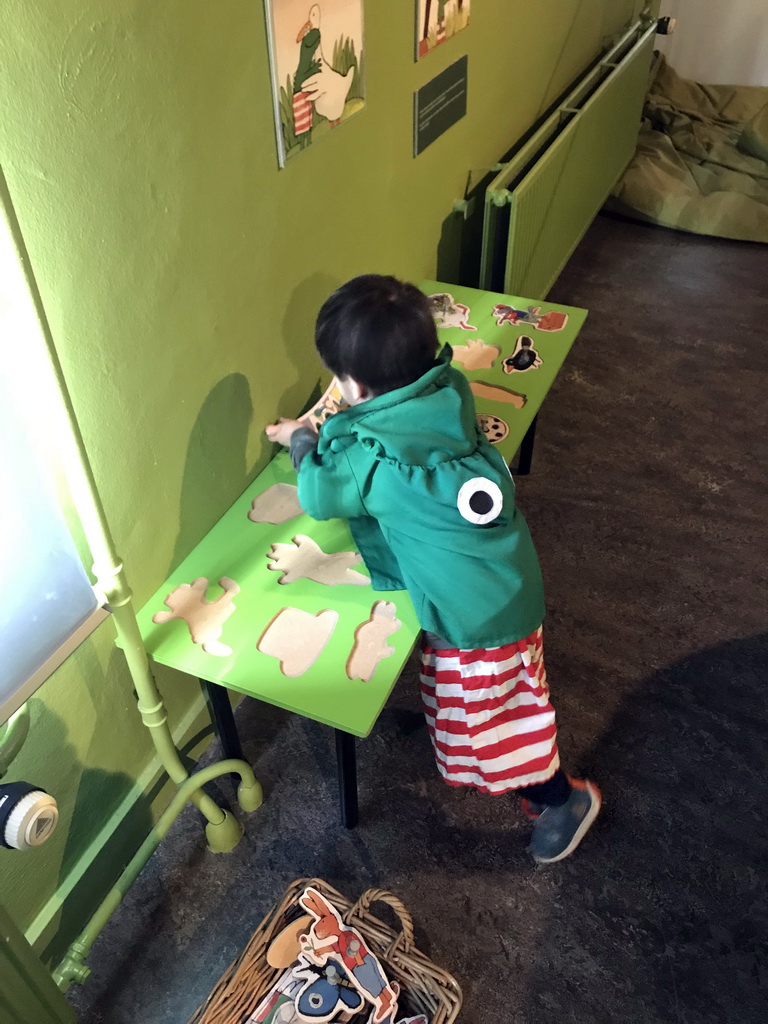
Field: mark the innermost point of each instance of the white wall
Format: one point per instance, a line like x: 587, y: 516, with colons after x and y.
x: 718, y: 41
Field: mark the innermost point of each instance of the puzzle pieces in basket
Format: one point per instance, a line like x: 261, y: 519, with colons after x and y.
x: 370, y: 636
x: 476, y: 355
x: 304, y: 559
x: 497, y: 393
x: 448, y: 313
x: 329, y: 939
x: 327, y: 991
x: 279, y: 1004
x: 277, y: 504
x: 524, y: 357
x: 205, y: 619
x: 297, y: 638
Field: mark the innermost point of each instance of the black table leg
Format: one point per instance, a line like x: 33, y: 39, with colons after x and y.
x: 346, y: 760
x: 526, y: 450
x: 220, y: 710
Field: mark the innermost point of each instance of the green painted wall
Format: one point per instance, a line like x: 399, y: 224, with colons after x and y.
x: 181, y: 272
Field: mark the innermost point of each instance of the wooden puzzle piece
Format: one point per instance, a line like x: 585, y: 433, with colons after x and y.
x: 494, y: 428
x: 284, y: 948
x: 525, y: 357
x: 205, y: 619
x: 303, y: 559
x: 497, y: 393
x: 552, y: 321
x: 369, y: 647
x: 331, y: 402
x: 279, y: 1004
x: 512, y: 315
x: 330, y: 943
x: 448, y: 313
x: 277, y: 504
x: 297, y: 638
x: 476, y: 355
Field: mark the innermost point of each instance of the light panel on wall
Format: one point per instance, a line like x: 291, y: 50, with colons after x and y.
x: 48, y: 605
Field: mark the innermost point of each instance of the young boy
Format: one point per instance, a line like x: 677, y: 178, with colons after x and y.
x: 431, y: 506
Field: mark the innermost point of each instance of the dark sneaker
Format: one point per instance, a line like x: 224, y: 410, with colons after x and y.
x: 559, y: 830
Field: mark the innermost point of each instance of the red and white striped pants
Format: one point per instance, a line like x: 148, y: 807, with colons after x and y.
x: 489, y: 716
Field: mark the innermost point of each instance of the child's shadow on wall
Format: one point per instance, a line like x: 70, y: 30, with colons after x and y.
x: 216, y: 470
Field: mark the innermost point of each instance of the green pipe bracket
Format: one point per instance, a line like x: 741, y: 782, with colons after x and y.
x: 464, y: 206
x: 500, y: 196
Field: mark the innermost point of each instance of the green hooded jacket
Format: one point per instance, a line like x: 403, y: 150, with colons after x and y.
x: 431, y: 506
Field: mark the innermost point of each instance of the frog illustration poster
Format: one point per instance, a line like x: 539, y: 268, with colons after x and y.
x: 438, y: 20
x: 316, y: 57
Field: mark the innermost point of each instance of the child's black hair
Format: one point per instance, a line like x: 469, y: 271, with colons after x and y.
x: 377, y: 330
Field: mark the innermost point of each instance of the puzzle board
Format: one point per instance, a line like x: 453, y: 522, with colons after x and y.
x: 236, y: 548
x: 475, y: 314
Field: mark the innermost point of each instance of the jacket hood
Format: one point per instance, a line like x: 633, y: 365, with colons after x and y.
x: 398, y: 422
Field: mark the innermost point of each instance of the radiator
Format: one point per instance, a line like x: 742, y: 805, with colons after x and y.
x: 539, y: 205
x: 27, y: 992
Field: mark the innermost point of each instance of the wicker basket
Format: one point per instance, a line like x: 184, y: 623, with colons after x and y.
x: 426, y: 987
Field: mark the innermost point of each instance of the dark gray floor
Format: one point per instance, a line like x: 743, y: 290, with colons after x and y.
x: 647, y: 503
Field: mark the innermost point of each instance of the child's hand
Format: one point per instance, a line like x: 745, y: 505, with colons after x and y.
x: 282, y: 431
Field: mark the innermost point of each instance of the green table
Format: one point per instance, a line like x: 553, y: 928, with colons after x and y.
x: 237, y: 548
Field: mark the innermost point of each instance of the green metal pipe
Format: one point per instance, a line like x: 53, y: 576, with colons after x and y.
x: 72, y: 967
x: 12, y: 736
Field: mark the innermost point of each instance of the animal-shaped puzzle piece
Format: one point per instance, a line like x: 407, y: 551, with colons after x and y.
x: 331, y: 941
x: 532, y: 316
x: 297, y: 638
x: 525, y: 357
x: 552, y: 321
x: 303, y: 559
x: 512, y: 315
x: 494, y: 428
x: 476, y: 355
x: 328, y: 990
x: 497, y: 393
x: 205, y: 619
x: 448, y: 313
x: 277, y: 504
x: 369, y: 647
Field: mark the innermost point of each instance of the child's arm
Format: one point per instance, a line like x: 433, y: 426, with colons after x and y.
x: 296, y: 435
x: 282, y: 431
x: 327, y: 486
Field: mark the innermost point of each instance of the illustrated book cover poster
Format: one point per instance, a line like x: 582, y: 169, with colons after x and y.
x: 437, y: 21
x: 317, y: 67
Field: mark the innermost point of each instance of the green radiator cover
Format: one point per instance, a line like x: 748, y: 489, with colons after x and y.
x: 555, y: 185
x: 28, y: 994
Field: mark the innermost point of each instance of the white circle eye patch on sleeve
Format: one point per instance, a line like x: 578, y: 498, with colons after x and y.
x: 480, y: 500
